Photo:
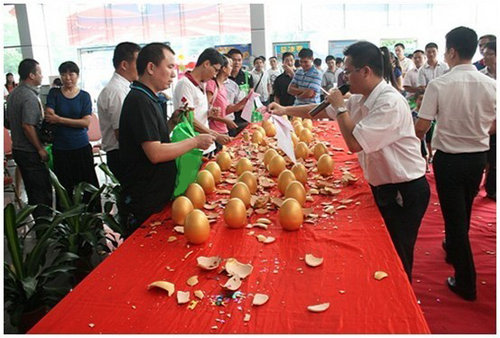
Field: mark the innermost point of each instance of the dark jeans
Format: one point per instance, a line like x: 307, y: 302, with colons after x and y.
x: 241, y: 124
x: 36, y: 180
x: 491, y: 174
x: 457, y: 181
x: 402, y: 206
x: 114, y: 164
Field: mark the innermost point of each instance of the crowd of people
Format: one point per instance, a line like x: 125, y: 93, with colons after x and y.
x: 394, y: 145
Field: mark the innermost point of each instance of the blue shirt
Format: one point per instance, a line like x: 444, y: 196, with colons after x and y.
x: 310, y: 79
x: 69, y: 138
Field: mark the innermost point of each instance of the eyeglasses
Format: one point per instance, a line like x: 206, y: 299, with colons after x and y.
x: 215, y: 68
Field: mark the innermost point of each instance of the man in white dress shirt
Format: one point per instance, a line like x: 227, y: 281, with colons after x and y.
x: 376, y: 123
x: 433, y: 68
x: 463, y: 101
x: 410, y: 81
x: 110, y: 101
x: 406, y: 63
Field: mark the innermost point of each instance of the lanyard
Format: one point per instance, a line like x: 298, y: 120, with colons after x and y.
x: 162, y: 107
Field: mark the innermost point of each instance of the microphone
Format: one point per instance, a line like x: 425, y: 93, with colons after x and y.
x: 315, y: 111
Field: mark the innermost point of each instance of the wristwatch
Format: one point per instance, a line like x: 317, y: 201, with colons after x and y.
x: 341, y: 110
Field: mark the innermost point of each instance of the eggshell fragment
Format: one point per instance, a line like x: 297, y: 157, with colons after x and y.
x: 232, y: 283
x: 319, y: 307
x: 208, y: 263
x: 269, y: 239
x: 379, y: 275
x: 179, y: 229
x: 199, y: 294
x: 192, y: 281
x: 235, y: 268
x: 260, y: 299
x: 167, y: 286
x: 313, y: 261
x: 182, y: 297
x: 247, y: 317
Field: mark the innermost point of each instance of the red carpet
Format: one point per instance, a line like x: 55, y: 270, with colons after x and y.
x: 444, y: 311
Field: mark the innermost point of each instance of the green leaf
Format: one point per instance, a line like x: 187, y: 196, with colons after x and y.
x: 29, y: 286
x: 112, y: 223
x: 13, y: 240
x: 104, y: 167
x: 24, y: 213
x: 61, y: 192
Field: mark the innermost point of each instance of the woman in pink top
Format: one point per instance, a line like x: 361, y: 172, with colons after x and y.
x: 217, y: 97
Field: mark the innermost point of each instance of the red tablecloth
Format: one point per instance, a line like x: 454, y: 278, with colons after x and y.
x: 353, y: 242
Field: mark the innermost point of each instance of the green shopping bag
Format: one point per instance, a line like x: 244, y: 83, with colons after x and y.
x: 51, y: 158
x: 189, y: 163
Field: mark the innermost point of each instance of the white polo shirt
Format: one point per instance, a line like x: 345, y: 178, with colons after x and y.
x: 384, y: 129
x: 411, y: 79
x: 463, y: 102
x: 197, y: 99
x: 109, y: 108
x: 427, y: 73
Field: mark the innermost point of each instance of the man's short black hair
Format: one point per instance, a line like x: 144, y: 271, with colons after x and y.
x: 463, y: 40
x: 339, y: 60
x: 124, y: 51
x: 26, y: 67
x: 273, y: 57
x: 492, y: 45
x: 287, y: 54
x: 329, y: 57
x: 69, y: 67
x: 306, y: 53
x: 364, y: 53
x: 212, y: 55
x: 431, y: 45
x: 418, y: 51
x: 400, y: 45
x: 317, y: 62
x: 233, y: 51
x: 490, y: 37
x: 258, y: 58
x: 152, y: 52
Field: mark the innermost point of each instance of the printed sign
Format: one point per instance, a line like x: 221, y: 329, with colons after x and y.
x: 280, y: 48
x: 336, y: 47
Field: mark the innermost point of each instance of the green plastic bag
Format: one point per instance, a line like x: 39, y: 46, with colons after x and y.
x: 189, y: 163
x: 51, y: 157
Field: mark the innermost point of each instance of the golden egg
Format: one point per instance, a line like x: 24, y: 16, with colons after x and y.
x: 277, y: 165
x: 214, y: 169
x: 297, y: 118
x: 295, y: 139
x: 250, y: 180
x: 241, y: 191
x: 306, y: 135
x: 285, y: 177
x: 300, y: 172
x: 257, y: 137
x: 206, y: 180
x: 325, y: 165
x: 235, y: 214
x: 196, y: 227
x: 307, y: 123
x: 196, y: 195
x: 291, y: 215
x: 296, y: 190
x: 223, y: 160
x: 266, y: 124
x: 243, y: 165
x: 269, y: 128
x: 298, y: 128
x: 301, y: 150
x: 261, y: 130
x: 319, y: 149
x: 268, y: 155
x: 180, y: 208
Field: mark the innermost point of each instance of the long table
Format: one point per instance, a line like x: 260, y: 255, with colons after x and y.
x: 353, y: 242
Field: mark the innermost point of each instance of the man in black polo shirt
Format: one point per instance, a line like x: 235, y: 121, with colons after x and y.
x: 281, y: 83
x: 244, y: 81
x: 147, y: 156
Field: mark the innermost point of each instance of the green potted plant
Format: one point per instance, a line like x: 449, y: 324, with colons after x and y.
x: 31, y: 282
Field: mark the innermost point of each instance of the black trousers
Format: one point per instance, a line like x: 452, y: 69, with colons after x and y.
x: 491, y: 174
x: 36, y: 181
x: 458, y: 177
x: 402, y: 206
x: 113, y: 162
x: 241, y: 124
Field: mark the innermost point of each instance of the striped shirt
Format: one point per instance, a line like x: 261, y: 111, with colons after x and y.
x: 309, y: 79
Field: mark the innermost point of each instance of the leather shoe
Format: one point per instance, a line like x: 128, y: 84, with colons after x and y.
x: 447, y: 257
x: 467, y: 295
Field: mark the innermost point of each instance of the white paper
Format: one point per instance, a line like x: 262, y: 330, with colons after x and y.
x: 284, y: 136
x: 246, y: 113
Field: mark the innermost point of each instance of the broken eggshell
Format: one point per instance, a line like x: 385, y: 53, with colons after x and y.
x: 167, y: 286
x: 313, y: 261
x: 232, y: 283
x: 208, y: 263
x: 235, y: 268
x: 260, y: 299
x: 193, y: 280
x: 379, y: 275
x: 182, y: 297
x: 319, y: 307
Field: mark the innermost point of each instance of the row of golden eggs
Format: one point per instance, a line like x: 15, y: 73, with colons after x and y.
x: 269, y: 128
x: 319, y: 149
x: 296, y: 190
x: 298, y: 127
x: 243, y: 165
x: 276, y: 165
x: 196, y: 195
x: 223, y: 160
x: 307, y: 123
x: 241, y: 191
x: 206, y: 180
x: 306, y: 136
x: 235, y: 213
x: 196, y: 227
x: 180, y: 208
x: 301, y: 150
x: 300, y: 172
x: 214, y: 169
x: 325, y: 165
x: 250, y: 180
x: 258, y: 137
x: 268, y: 155
x: 290, y: 214
x: 295, y: 139
x: 285, y: 177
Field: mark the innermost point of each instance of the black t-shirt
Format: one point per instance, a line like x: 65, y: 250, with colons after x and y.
x: 281, y: 90
x: 143, y: 118
x: 240, y: 78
